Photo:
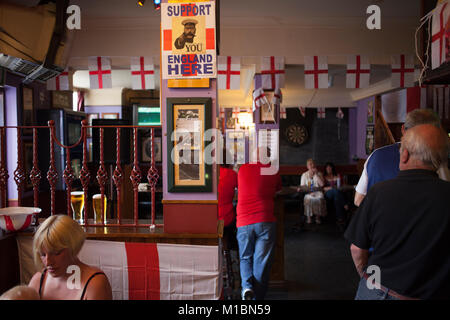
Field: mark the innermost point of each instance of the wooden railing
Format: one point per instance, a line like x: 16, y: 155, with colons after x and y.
x: 35, y: 174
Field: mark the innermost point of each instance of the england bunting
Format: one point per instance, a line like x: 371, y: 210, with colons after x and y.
x: 272, y: 72
x: 402, y: 71
x: 316, y: 72
x: 321, y: 113
x: 142, y: 73
x: 229, y: 73
x: 440, y: 18
x: 60, y: 82
x: 100, y: 73
x: 358, y: 72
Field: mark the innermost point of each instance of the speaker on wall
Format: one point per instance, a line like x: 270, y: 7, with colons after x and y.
x: 109, y: 141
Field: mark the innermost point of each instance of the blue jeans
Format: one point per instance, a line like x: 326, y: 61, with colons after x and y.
x: 364, y: 293
x: 256, y: 250
x: 337, y: 197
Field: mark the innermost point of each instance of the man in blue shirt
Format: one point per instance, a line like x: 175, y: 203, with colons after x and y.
x: 383, y: 163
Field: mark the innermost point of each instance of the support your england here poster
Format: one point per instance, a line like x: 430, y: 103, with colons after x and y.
x: 189, y: 40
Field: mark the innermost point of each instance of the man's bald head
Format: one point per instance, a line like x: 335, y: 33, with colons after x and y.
x: 426, y: 146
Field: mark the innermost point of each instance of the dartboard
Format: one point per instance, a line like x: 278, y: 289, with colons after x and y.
x: 296, y: 134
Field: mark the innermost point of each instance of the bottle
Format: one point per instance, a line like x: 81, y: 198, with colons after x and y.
x: 312, y: 184
x: 338, y: 182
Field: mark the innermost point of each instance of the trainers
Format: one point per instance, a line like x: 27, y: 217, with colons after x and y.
x: 248, y: 294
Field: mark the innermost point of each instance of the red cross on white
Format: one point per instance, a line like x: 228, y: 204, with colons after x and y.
x: 277, y: 97
x: 100, y: 72
x: 440, y: 18
x: 142, y: 73
x: 283, y: 114
x: 402, y: 71
x: 60, y: 82
x: 340, y: 114
x: 302, y: 111
x: 321, y: 113
x: 236, y: 111
x: 229, y: 73
x: 259, y: 98
x: 316, y: 72
x: 358, y: 72
x: 272, y: 72
x: 221, y: 113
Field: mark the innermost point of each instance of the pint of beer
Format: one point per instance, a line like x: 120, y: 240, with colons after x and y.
x: 77, y: 200
x: 97, y: 201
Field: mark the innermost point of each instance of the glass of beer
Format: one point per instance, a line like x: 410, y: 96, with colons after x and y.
x: 77, y: 200
x: 97, y: 201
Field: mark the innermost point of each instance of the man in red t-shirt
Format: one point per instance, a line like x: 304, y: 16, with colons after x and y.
x: 256, y: 226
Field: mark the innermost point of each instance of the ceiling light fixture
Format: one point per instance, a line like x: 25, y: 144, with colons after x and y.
x: 157, y: 4
x: 141, y: 3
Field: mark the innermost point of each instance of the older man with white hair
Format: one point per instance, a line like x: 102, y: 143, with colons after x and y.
x: 407, y: 222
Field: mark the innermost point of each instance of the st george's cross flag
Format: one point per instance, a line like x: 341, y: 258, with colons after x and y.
x: 100, y: 73
x: 358, y: 72
x: 146, y: 271
x: 340, y: 114
x: 441, y: 100
x: 142, y: 73
x: 277, y: 97
x: 283, y: 113
x: 236, y: 111
x: 440, y: 20
x: 316, y: 72
x: 402, y: 71
x: 272, y: 72
x: 59, y: 83
x: 259, y: 98
x: 229, y: 73
x: 321, y: 113
x: 302, y: 111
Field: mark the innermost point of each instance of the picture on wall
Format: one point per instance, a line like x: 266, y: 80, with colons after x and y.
x: 370, y: 112
x: 187, y: 120
x: 267, y: 109
x: 110, y: 115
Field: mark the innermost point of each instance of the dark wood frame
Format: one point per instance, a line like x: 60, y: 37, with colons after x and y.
x: 206, y: 106
x: 269, y: 95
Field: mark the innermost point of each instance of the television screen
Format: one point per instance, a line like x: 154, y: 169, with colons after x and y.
x: 149, y: 116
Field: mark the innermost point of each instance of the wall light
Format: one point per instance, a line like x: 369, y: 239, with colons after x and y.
x: 141, y: 3
x: 245, y: 119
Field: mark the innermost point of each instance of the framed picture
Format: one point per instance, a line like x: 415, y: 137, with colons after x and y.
x: 369, y: 139
x: 370, y: 112
x: 146, y: 145
x: 267, y: 109
x: 187, y: 120
x: 230, y: 122
x: 91, y: 116
x: 28, y: 114
x: 110, y: 115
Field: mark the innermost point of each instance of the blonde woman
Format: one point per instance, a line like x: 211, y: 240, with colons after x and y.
x: 314, y: 201
x: 56, y: 245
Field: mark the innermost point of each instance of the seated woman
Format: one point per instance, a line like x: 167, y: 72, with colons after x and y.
x: 314, y: 202
x: 332, y: 182
x: 56, y: 245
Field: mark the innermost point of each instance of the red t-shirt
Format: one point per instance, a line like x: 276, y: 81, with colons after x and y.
x: 227, y: 183
x: 255, y: 194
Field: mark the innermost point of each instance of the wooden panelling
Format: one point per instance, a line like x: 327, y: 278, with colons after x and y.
x: 187, y: 217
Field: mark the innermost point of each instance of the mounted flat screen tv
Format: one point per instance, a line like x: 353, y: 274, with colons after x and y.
x: 147, y: 115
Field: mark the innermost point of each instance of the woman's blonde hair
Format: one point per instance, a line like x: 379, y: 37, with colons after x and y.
x: 310, y: 160
x: 56, y: 233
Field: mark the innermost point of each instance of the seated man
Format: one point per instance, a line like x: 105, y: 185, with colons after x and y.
x: 407, y: 222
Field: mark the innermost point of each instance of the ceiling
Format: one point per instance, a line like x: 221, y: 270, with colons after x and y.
x: 257, y: 13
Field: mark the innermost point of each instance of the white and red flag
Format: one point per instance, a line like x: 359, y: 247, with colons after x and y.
x: 272, y: 72
x: 221, y: 113
x: 302, y: 111
x: 358, y: 72
x: 60, y: 82
x: 229, y: 73
x: 395, y: 105
x: 277, y: 97
x: 440, y: 19
x: 259, y: 98
x: 236, y: 111
x: 100, y: 73
x: 321, y: 113
x: 316, y: 72
x: 142, y: 73
x: 283, y: 113
x: 402, y: 71
x: 147, y: 271
x: 340, y: 114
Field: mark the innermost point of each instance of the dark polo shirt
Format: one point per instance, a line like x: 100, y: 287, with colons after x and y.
x: 407, y: 222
